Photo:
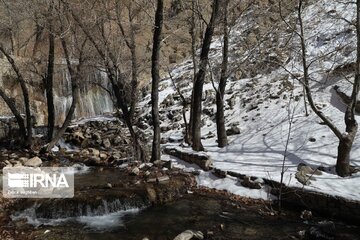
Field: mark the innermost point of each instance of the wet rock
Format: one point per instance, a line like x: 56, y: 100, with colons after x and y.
x: 33, y: 162
x: 324, y: 230
x: 189, y: 234
x: 93, y: 161
x: 306, y: 215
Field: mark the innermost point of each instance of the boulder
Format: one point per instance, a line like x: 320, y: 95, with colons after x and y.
x: 234, y: 130
x: 201, y: 159
x: 33, y: 162
x: 247, y: 182
x: 189, y: 234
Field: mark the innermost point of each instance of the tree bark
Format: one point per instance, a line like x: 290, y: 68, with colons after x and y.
x: 347, y: 140
x: 220, y: 93
x: 155, y: 62
x: 193, y: 54
x: 25, y: 93
x: 200, y: 78
x: 50, y: 78
x: 20, y: 121
x: 74, y: 75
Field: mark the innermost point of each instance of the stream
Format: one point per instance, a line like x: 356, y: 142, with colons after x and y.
x: 105, y: 214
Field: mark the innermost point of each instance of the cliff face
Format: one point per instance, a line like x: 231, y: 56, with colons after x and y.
x: 94, y: 100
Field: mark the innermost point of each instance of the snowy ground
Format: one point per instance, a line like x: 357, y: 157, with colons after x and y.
x: 265, y: 105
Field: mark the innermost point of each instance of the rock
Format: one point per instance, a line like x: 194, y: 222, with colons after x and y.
x: 18, y: 164
x: 85, y: 152
x: 247, y: 182
x: 103, y: 156
x: 306, y: 215
x: 96, y: 136
x: 93, y: 161
x: 33, y: 162
x: 163, y: 178
x: 201, y: 159
x: 168, y: 164
x: 106, y: 143
x: 219, y: 173
x: 303, y: 178
x: 189, y: 234
x: 233, y: 131
x: 135, y: 171
x: 13, y: 155
x: 117, y: 140
x: 23, y: 160
x: 94, y: 152
x: 159, y: 163
x: 78, y: 137
x: 312, y: 139
x: 308, y: 170
x: 324, y: 230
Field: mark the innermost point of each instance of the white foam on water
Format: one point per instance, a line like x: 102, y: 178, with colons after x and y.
x: 97, y: 223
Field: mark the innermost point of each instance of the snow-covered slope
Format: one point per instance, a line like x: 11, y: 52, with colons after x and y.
x: 263, y: 106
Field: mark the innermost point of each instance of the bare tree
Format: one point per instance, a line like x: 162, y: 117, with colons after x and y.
x: 75, y: 73
x: 25, y: 92
x: 155, y: 59
x: 346, y: 139
x: 97, y: 36
x: 220, y: 92
x: 200, y: 78
x: 49, y: 76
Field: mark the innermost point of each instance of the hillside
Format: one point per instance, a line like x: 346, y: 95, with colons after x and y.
x: 261, y: 102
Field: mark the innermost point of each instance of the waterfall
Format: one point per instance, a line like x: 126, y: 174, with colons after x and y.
x: 93, y: 99
x: 106, y: 215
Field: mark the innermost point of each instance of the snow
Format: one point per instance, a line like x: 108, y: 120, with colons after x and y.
x: 264, y: 106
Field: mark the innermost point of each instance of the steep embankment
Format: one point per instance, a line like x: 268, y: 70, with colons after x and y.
x: 262, y: 105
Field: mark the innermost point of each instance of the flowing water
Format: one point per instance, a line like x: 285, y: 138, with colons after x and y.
x: 103, y: 215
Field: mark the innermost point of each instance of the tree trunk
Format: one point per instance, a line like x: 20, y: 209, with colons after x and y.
x: 50, y: 77
x: 25, y: 93
x: 346, y: 142
x: 343, y: 157
x: 131, y: 44
x: 155, y: 153
x: 220, y: 93
x: 20, y: 121
x: 200, y: 78
x: 193, y: 54
x: 74, y: 92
